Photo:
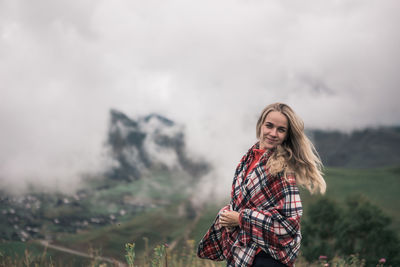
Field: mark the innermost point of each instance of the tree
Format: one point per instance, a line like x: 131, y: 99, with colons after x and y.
x: 365, y: 230
x: 355, y: 227
x: 318, y: 229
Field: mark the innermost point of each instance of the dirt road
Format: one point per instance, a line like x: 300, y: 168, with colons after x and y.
x: 81, y: 254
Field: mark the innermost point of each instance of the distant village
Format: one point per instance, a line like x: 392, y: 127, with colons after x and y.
x: 27, y: 217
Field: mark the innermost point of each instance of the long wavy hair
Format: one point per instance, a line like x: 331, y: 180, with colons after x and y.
x: 296, y: 154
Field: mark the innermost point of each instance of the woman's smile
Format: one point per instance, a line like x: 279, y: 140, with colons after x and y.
x: 270, y: 140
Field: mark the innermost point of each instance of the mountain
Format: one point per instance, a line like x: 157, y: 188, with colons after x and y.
x: 367, y: 148
x: 149, y: 142
x: 151, y: 169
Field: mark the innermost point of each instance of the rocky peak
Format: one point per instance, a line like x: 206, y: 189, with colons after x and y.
x: 151, y: 141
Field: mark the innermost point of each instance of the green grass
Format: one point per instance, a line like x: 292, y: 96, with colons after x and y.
x: 29, y: 254
x: 381, y: 186
x: 207, y: 218
x: 159, y: 225
x: 18, y: 248
x: 16, y: 253
x: 162, y: 187
x: 164, y: 224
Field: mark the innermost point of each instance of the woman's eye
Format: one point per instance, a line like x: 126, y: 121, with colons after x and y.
x: 281, y: 130
x: 268, y: 125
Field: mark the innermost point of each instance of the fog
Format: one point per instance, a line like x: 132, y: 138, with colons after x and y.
x: 211, y: 66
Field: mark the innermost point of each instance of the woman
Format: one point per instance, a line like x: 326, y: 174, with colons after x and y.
x: 261, y: 225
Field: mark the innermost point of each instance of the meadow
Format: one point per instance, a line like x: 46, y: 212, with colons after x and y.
x: 166, y: 234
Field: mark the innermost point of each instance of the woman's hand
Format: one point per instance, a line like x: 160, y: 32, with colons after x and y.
x: 229, y: 219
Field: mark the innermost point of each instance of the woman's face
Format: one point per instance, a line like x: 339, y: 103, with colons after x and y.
x: 273, y: 130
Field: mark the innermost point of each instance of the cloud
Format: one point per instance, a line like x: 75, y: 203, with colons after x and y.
x: 210, y: 65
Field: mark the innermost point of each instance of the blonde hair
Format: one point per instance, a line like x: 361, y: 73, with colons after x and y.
x: 296, y: 154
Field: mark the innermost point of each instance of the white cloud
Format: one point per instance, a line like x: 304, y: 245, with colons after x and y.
x: 210, y: 65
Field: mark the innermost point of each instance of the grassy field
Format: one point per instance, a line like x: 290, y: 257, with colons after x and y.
x: 381, y: 186
x: 159, y: 226
x: 31, y: 253
x: 174, y: 223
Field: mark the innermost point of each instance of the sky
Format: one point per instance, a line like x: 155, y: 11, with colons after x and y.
x: 209, y: 65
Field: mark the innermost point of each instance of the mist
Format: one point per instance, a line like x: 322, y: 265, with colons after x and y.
x: 210, y: 66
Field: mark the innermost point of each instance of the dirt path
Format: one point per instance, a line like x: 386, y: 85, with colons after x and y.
x: 82, y: 254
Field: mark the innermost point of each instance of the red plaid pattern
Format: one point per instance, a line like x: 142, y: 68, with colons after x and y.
x: 270, y: 211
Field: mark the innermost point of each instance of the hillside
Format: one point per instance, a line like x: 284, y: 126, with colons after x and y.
x: 380, y: 186
x: 170, y: 217
x: 367, y: 148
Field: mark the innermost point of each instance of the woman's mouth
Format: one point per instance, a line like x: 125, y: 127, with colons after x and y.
x: 270, y: 140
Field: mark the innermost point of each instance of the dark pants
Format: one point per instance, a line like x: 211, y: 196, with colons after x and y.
x: 263, y: 259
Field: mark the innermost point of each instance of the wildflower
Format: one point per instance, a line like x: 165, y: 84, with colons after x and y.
x: 326, y: 265
x: 322, y: 257
x: 382, y: 260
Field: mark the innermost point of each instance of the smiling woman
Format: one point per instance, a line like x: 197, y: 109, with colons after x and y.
x: 261, y: 225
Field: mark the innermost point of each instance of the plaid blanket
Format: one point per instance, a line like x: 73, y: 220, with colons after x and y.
x: 270, y: 210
